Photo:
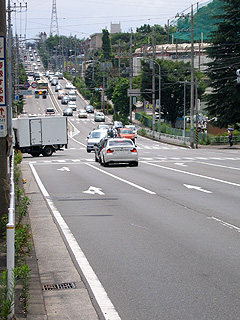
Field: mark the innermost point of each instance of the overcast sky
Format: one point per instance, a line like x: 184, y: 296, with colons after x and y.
x: 85, y: 17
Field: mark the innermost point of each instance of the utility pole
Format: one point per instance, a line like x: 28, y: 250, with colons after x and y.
x: 192, y: 83
x: 130, y: 78
x: 119, y: 59
x: 153, y: 82
x: 4, y: 190
x: 196, y: 103
x: 184, y: 111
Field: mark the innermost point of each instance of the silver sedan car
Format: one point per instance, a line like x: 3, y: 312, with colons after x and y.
x: 117, y: 150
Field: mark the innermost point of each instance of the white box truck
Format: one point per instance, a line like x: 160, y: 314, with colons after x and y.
x: 40, y: 135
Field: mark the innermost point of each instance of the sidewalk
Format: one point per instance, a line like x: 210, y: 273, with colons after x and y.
x: 64, y: 295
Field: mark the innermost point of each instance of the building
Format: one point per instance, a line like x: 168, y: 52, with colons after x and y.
x: 95, y: 41
x: 115, y: 28
x: 180, y: 52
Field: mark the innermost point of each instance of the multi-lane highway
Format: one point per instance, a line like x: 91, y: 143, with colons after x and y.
x: 162, y: 238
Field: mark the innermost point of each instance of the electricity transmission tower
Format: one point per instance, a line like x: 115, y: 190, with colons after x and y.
x: 54, y: 22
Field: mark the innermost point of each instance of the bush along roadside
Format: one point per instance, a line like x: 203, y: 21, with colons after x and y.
x: 23, y: 247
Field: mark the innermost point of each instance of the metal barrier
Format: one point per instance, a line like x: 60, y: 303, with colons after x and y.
x: 11, y: 237
x: 167, y: 137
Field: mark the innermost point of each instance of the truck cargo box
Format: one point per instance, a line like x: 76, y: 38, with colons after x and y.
x: 38, y: 132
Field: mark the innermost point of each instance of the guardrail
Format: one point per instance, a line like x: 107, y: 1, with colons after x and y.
x: 167, y: 137
x: 11, y: 236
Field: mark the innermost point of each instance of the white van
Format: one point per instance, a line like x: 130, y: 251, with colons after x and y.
x: 72, y: 95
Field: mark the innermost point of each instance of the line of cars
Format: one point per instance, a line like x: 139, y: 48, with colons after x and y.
x: 110, y: 148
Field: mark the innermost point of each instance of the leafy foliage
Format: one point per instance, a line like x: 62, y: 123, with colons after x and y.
x: 173, y: 75
x: 223, y: 102
x: 106, y: 45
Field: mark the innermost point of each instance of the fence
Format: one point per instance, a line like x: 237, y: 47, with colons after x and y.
x: 178, y: 134
x: 11, y: 235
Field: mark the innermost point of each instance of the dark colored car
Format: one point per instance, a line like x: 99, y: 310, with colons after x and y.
x: 54, y: 82
x: 68, y: 112
x: 89, y: 108
x: 65, y: 99
x: 98, y: 148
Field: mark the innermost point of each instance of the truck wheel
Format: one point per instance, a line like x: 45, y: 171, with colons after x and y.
x: 35, y: 153
x: 47, y: 151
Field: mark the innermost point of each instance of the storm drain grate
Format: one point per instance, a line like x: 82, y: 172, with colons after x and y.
x: 61, y: 286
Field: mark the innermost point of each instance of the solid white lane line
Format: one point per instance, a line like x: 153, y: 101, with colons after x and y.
x: 192, y: 174
x: 102, y: 299
x: 82, y: 144
x: 121, y: 179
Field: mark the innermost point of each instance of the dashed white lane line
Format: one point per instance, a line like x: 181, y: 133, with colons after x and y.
x: 218, y: 165
x: 192, y: 174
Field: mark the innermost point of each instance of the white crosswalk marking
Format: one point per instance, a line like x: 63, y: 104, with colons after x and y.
x: 150, y: 159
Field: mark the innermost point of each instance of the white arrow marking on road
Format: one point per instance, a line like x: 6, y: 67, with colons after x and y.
x: 64, y: 169
x: 181, y: 164
x: 94, y: 190
x: 196, y: 188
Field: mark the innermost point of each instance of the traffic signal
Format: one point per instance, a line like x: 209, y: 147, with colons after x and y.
x: 44, y: 94
x: 36, y: 94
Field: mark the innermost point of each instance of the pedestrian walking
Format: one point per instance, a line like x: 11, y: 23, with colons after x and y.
x: 230, y: 136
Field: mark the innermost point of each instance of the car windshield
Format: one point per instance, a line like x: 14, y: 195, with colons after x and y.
x: 120, y: 143
x: 100, y: 114
x: 129, y: 131
x: 97, y: 134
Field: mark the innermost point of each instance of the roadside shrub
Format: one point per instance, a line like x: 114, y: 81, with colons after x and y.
x: 142, y: 132
x: 23, y: 273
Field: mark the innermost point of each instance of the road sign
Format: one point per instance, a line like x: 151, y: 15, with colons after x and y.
x: 133, y: 92
x: 26, y: 85
x: 34, y: 85
x: 3, y: 88
x: 3, y: 122
x: 25, y: 92
x: 16, y: 97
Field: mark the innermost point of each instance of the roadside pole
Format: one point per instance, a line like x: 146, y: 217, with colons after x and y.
x: 130, y: 78
x: 4, y: 189
x: 192, y: 83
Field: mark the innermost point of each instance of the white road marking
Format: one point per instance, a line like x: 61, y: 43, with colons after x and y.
x: 123, y: 180
x: 196, y: 188
x: 108, y: 310
x: 218, y: 165
x: 225, y: 224
x: 180, y: 164
x: 94, y: 190
x: 193, y: 174
x: 82, y: 144
x: 64, y: 169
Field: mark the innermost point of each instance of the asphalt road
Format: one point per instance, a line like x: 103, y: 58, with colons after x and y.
x: 162, y: 238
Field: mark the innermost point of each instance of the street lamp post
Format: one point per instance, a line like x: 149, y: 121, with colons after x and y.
x: 159, y: 93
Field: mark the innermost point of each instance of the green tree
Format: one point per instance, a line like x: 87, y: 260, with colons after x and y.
x: 120, y: 97
x: 173, y: 75
x: 106, y: 45
x: 223, y: 102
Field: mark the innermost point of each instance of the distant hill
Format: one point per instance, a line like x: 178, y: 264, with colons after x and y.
x: 204, y: 22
